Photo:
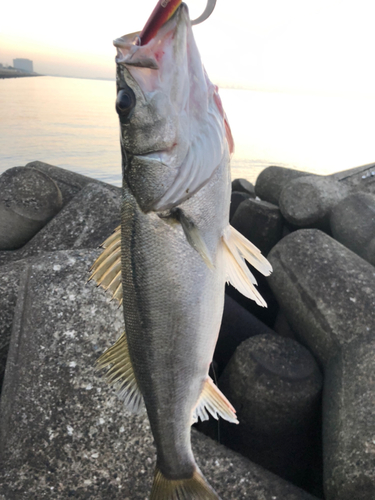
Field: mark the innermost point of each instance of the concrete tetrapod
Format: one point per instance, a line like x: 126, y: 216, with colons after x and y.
x: 237, y: 325
x: 10, y: 277
x: 353, y: 224
x: 272, y: 180
x: 85, y: 222
x: 358, y: 179
x: 69, y: 182
x: 28, y: 200
x: 308, y: 201
x: 63, y: 434
x: 260, y: 222
x: 243, y: 186
x: 328, y: 295
x: 236, y: 199
x: 275, y: 385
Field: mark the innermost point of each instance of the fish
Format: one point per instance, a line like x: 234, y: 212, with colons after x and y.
x: 168, y: 261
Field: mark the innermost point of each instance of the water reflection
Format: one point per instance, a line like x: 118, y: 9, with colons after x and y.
x: 67, y: 122
x: 72, y: 123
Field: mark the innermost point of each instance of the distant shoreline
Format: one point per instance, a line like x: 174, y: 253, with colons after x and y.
x: 13, y: 73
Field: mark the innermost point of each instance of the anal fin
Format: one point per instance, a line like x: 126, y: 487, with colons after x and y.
x: 196, y: 488
x: 213, y: 401
x: 119, y: 372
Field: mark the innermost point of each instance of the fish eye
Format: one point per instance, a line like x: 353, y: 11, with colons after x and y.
x: 125, y: 102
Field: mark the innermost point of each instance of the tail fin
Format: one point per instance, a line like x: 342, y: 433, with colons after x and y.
x: 195, y: 488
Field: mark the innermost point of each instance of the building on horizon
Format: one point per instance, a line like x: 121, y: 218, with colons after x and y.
x: 23, y: 64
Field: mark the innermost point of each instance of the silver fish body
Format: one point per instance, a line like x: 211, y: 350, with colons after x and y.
x: 173, y: 306
x: 177, y: 248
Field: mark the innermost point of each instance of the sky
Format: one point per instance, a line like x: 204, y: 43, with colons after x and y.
x: 292, y: 45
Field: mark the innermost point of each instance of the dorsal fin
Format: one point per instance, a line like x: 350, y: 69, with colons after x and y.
x: 106, y: 270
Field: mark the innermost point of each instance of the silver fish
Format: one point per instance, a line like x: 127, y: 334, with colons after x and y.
x: 177, y: 247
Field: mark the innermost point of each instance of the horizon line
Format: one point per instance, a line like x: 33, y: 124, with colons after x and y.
x: 253, y: 88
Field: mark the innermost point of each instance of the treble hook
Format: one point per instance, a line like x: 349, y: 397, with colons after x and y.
x: 206, y: 13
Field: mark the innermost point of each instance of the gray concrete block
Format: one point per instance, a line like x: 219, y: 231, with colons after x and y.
x: 28, y: 200
x: 352, y: 173
x: 308, y: 201
x: 10, y: 277
x: 85, y: 222
x: 63, y: 434
x: 237, y: 325
x: 70, y: 183
x: 260, y: 222
x: 353, y: 224
x: 282, y: 327
x: 328, y: 295
x: 272, y: 180
x: 243, y: 186
x: 266, y: 315
x: 236, y: 199
x: 236, y: 478
x: 275, y: 384
x: 358, y: 179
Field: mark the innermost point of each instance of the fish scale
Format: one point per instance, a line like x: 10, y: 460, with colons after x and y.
x: 170, y: 348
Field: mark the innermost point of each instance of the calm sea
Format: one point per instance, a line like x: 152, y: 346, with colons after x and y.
x: 72, y: 123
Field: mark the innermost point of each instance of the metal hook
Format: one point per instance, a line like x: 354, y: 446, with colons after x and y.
x: 163, y: 11
x: 206, y: 14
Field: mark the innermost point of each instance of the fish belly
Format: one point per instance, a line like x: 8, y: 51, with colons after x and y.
x: 173, y: 307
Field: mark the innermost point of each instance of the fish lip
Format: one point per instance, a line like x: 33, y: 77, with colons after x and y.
x: 149, y: 157
x: 133, y: 54
x: 149, y: 154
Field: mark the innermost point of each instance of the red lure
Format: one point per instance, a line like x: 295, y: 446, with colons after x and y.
x: 163, y: 11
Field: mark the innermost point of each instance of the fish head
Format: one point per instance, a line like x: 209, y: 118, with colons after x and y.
x: 174, y: 132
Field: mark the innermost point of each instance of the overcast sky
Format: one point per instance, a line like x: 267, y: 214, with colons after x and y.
x: 294, y: 45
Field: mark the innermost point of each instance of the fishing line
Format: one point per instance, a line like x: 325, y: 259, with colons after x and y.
x: 216, y: 383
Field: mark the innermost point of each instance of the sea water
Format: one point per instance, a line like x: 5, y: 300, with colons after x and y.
x: 72, y: 123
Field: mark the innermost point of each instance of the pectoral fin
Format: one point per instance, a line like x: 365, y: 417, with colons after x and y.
x: 193, y: 235
x: 106, y: 270
x: 120, y: 373
x: 213, y: 401
x: 236, y: 249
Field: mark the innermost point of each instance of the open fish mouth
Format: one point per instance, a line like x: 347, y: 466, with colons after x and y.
x: 163, y: 85
x: 163, y: 11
